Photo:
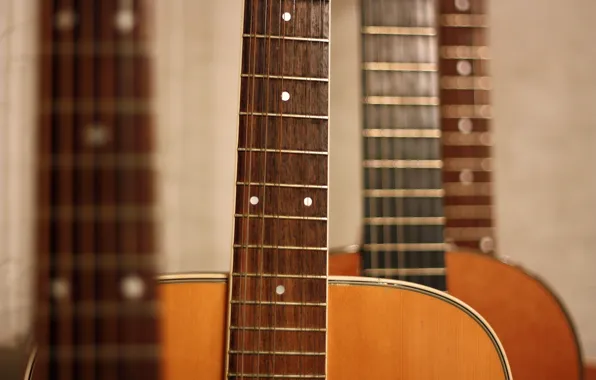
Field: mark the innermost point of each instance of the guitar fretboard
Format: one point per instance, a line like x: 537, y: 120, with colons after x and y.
x: 403, y: 206
x: 465, y: 121
x: 279, y: 280
x: 96, y: 300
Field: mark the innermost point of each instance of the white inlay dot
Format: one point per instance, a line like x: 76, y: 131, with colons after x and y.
x: 485, y: 138
x: 254, y: 200
x: 280, y: 289
x: 285, y: 96
x: 60, y: 288
x: 462, y: 5
x: 308, y: 201
x: 65, y: 19
x: 464, y: 68
x: 125, y: 21
x: 286, y: 16
x: 466, y: 176
x: 464, y: 125
x: 487, y: 244
x: 132, y: 287
x: 96, y: 135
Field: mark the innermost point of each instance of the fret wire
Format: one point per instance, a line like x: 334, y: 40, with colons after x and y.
x: 285, y: 77
x: 102, y: 49
x: 100, y: 161
x: 399, y: 66
x: 470, y: 139
x: 399, y: 31
x: 287, y: 38
x: 291, y: 185
x: 402, y: 133
x: 405, y: 220
x: 277, y: 303
x: 284, y: 151
x: 286, y: 217
x: 402, y: 100
x: 403, y: 164
x: 298, y: 116
x: 277, y: 275
x: 464, y: 52
x: 418, y: 193
x: 464, y: 20
x: 466, y: 233
x: 406, y: 247
x: 466, y: 83
x: 467, y: 111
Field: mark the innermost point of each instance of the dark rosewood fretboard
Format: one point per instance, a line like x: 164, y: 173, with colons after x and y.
x: 278, y: 299
x: 96, y: 315
x: 465, y: 121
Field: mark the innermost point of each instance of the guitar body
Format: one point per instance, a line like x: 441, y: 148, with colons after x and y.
x: 378, y: 329
x: 527, y: 316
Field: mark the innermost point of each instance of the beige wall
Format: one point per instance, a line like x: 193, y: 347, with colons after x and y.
x: 545, y: 140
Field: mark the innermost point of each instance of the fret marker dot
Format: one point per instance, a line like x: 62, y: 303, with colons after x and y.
x: 286, y: 16
x: 60, y: 289
x: 308, y: 201
x: 466, y: 176
x: 280, y: 289
x: 285, y: 96
x: 96, y: 135
x: 487, y: 244
x: 65, y: 19
x: 485, y: 138
x: 132, y: 287
x: 464, y: 68
x: 462, y: 5
x: 254, y: 200
x: 125, y: 21
x: 464, y: 126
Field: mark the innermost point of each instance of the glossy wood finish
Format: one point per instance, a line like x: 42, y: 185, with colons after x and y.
x: 377, y: 330
x: 533, y: 326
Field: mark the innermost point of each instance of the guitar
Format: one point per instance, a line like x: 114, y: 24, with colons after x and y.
x: 426, y: 182
x: 97, y: 312
x: 278, y: 314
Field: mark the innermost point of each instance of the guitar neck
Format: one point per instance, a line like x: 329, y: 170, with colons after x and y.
x: 465, y: 122
x: 403, y: 206
x: 278, y: 298
x: 96, y: 314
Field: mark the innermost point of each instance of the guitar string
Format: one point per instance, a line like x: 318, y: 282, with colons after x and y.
x: 268, y: 32
x: 248, y: 169
x: 278, y: 188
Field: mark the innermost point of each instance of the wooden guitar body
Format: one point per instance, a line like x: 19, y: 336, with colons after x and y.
x: 530, y: 321
x: 378, y: 329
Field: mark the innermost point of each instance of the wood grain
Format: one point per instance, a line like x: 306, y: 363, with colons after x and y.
x: 374, y: 332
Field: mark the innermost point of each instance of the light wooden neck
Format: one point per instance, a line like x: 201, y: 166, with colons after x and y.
x: 96, y: 314
x: 278, y: 298
x: 403, y: 208
x: 465, y: 121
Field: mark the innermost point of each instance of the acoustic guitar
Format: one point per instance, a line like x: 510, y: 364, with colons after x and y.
x: 97, y: 311
x: 427, y: 176
x: 277, y: 314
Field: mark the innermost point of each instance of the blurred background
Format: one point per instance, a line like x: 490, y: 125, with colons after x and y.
x: 544, y: 134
